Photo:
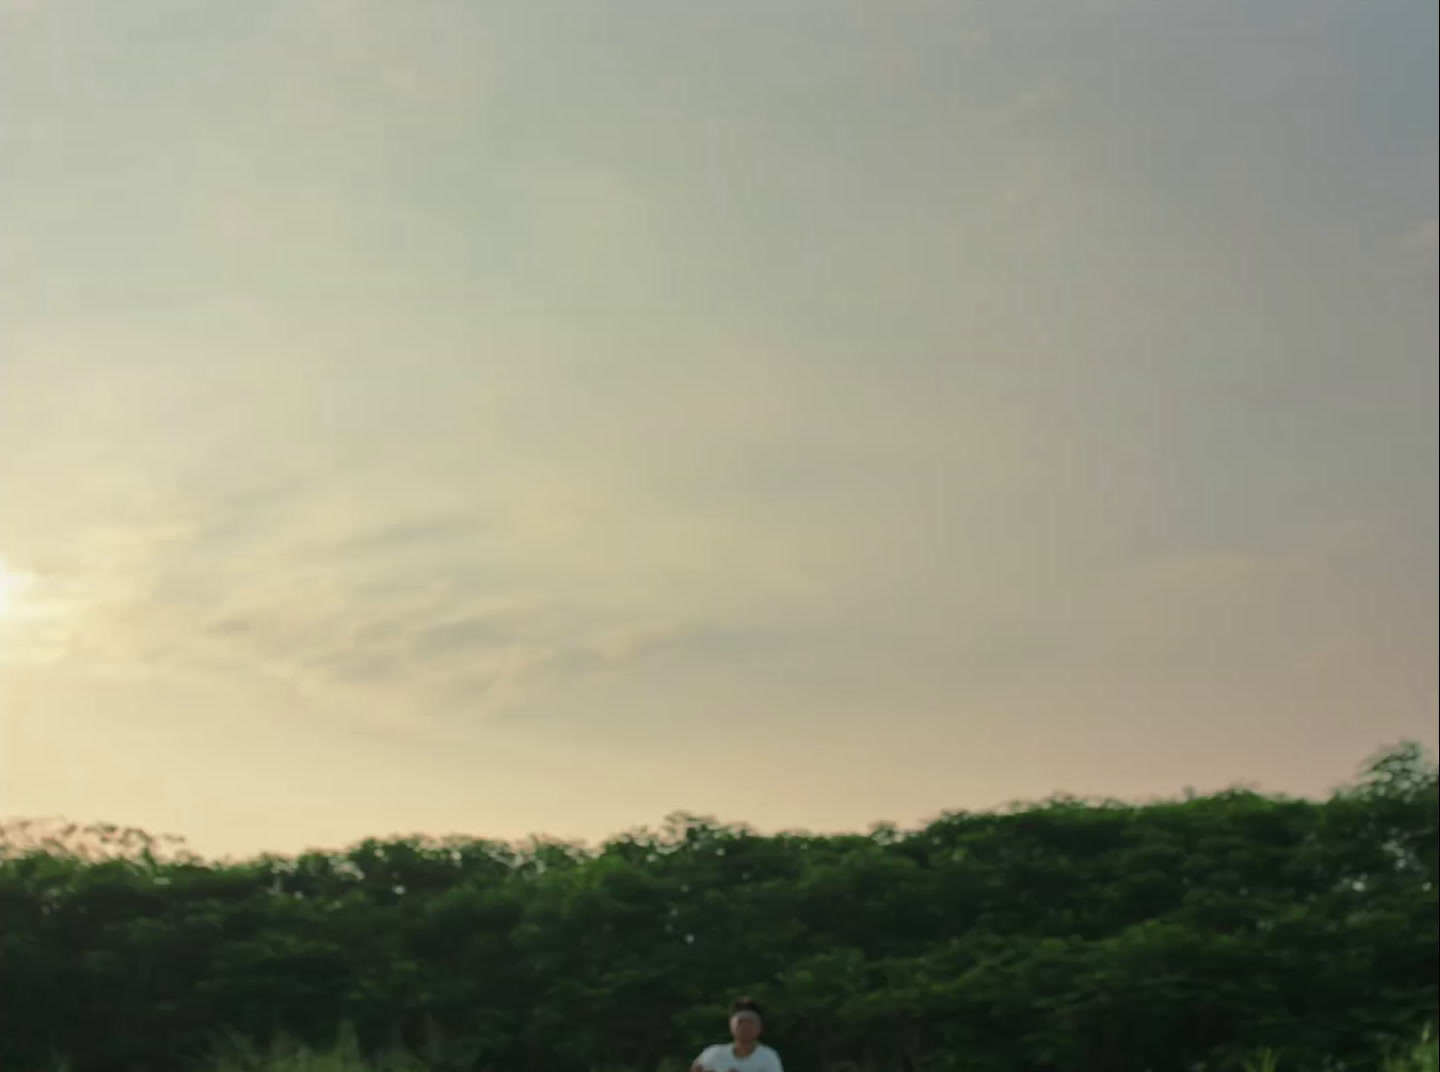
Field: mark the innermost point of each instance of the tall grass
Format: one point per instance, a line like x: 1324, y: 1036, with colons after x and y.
x: 240, y: 1055
x: 1422, y: 1056
x: 1264, y: 1061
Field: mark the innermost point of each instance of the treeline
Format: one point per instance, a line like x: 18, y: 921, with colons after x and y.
x: 1067, y: 935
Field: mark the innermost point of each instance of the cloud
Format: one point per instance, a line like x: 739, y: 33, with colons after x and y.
x: 404, y: 536
x: 462, y: 635
x: 707, y: 642
x: 370, y: 618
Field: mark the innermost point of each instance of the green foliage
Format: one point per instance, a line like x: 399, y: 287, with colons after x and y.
x: 1173, y: 937
x: 1424, y: 1056
x: 286, y: 1055
x: 1265, y: 1061
x: 1421, y: 1056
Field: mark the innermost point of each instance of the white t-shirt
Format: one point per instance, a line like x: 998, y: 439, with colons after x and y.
x: 722, y: 1058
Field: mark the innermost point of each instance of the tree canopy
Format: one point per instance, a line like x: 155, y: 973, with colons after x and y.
x: 1067, y: 934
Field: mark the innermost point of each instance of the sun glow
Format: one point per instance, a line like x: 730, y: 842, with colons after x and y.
x: 12, y: 586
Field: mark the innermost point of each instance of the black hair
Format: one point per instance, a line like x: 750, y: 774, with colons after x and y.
x: 747, y: 1005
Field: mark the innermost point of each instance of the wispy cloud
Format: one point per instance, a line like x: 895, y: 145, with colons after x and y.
x: 377, y: 614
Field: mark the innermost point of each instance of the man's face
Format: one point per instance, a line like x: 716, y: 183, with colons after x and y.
x: 745, y: 1027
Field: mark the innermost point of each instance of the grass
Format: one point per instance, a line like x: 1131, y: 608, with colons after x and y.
x: 1264, y: 1061
x: 240, y: 1055
x: 1422, y: 1056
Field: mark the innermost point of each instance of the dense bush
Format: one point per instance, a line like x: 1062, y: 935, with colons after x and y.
x: 1066, y: 935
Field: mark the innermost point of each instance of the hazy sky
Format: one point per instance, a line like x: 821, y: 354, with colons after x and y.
x: 503, y: 416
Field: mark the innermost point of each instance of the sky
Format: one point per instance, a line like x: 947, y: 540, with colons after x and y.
x: 522, y: 417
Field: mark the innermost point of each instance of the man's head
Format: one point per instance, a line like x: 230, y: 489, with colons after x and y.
x: 745, y: 1021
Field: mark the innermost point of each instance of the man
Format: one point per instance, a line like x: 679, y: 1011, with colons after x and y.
x: 744, y: 1053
